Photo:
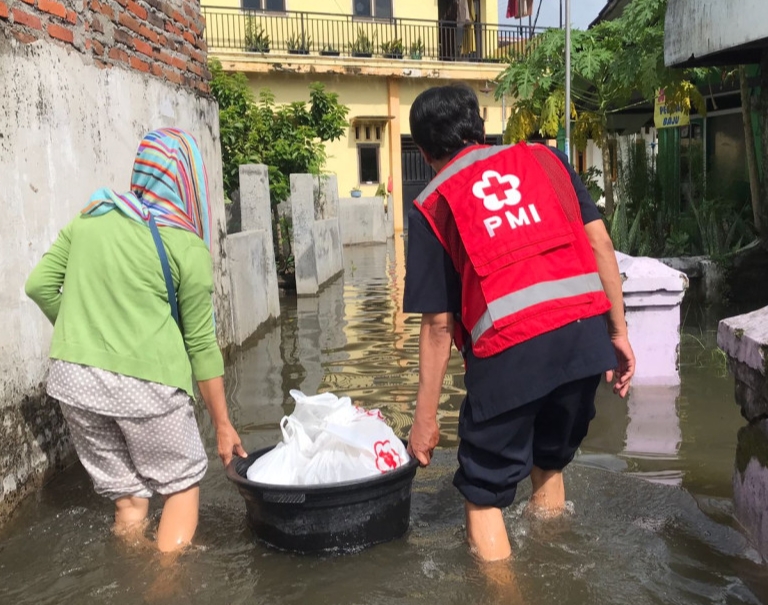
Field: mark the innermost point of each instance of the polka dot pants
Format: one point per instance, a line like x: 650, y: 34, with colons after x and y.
x: 132, y: 436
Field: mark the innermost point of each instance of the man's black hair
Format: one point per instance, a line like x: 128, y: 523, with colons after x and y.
x: 446, y: 118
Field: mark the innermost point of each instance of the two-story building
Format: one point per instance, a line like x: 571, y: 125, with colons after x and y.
x: 378, y: 55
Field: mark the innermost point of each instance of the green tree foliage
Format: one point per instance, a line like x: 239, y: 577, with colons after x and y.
x: 289, y: 139
x: 616, y: 65
x: 713, y: 219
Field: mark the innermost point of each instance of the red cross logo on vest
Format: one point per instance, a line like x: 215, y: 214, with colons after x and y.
x: 497, y: 191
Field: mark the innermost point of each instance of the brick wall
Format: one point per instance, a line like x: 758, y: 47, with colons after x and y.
x: 163, y: 38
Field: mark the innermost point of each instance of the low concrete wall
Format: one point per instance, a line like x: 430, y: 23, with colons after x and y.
x: 744, y: 339
x: 328, y: 252
x: 750, y: 483
x: 316, y: 232
x: 251, y: 258
x: 705, y: 275
x: 366, y: 220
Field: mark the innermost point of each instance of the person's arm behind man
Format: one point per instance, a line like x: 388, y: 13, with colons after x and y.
x: 608, y: 269
x: 435, y: 340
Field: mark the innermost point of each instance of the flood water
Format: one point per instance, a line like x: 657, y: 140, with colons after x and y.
x: 651, y: 520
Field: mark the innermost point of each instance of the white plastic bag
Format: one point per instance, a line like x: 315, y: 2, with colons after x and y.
x: 329, y: 440
x: 284, y: 463
x: 311, y: 412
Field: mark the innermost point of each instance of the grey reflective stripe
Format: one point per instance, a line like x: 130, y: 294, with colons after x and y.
x: 533, y: 295
x: 454, y: 168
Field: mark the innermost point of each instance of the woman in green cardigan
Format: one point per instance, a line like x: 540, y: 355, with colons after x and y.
x: 122, y: 366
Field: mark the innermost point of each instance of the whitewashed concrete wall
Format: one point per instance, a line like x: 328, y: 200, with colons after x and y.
x: 67, y: 129
x: 365, y: 220
x: 744, y: 339
x: 653, y: 293
x: 697, y: 28
x: 251, y: 258
x: 317, y: 248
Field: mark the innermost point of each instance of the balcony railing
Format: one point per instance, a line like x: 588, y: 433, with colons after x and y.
x: 343, y: 35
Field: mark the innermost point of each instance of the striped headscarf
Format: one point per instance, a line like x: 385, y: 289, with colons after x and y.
x: 168, y: 180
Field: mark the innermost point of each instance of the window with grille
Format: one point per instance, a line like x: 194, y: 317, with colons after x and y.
x: 368, y: 161
x: 378, y: 9
x: 368, y: 133
x: 277, y: 6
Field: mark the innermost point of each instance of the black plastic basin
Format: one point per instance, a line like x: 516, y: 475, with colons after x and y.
x: 337, y: 517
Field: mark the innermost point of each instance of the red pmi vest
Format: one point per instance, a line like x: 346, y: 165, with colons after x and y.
x: 510, y: 220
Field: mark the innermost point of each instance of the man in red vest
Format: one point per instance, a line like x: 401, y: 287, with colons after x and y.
x: 508, y: 258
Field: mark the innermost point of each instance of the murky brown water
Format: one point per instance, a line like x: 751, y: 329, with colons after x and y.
x: 652, y: 516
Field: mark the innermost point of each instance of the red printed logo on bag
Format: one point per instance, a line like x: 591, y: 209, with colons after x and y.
x: 371, y: 413
x: 386, y: 458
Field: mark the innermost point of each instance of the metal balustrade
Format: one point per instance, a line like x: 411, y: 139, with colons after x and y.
x: 304, y: 33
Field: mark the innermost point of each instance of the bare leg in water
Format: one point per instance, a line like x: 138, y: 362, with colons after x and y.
x: 131, y: 520
x: 179, y: 520
x: 486, y: 532
x: 489, y: 542
x: 177, y: 523
x: 548, y: 497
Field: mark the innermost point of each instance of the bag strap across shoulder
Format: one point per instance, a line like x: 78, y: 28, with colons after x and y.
x: 166, y: 270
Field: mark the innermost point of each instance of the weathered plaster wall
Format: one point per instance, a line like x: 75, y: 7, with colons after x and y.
x: 744, y: 339
x: 316, y: 234
x: 697, y: 28
x: 365, y: 220
x: 251, y: 257
x: 67, y: 127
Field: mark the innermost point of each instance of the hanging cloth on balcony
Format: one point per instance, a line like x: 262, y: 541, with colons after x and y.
x: 463, y: 17
x: 517, y: 9
x: 468, y: 41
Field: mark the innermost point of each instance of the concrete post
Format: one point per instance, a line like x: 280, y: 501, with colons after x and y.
x: 255, y: 208
x: 329, y: 189
x: 303, y: 214
x: 251, y: 256
x: 653, y: 293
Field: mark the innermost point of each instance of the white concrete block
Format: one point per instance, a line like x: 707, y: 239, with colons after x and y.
x: 255, y: 298
x: 653, y: 293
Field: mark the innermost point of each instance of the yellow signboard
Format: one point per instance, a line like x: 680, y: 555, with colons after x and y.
x: 669, y: 117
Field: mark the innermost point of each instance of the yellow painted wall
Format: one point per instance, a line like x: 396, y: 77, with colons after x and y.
x: 364, y: 98
x: 403, y: 9
x: 494, y: 124
x: 489, y: 12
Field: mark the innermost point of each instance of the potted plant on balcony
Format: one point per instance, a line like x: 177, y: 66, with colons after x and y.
x: 330, y: 51
x: 363, y: 46
x: 256, y: 40
x: 392, y: 49
x: 299, y: 44
x: 417, y: 49
x: 355, y: 192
